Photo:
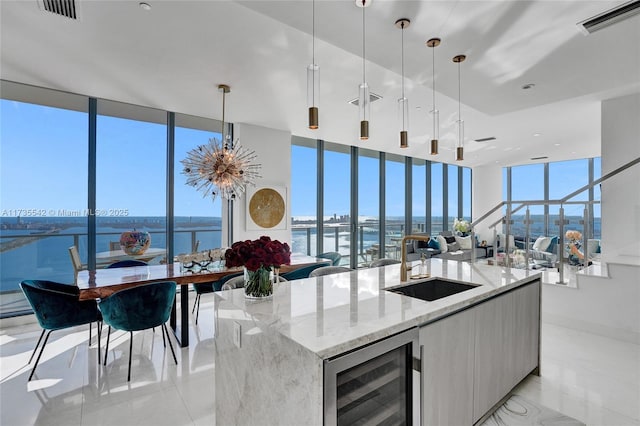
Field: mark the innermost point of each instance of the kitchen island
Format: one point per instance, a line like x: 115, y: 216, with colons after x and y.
x: 271, y: 354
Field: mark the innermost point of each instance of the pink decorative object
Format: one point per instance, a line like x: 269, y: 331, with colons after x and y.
x: 135, y: 242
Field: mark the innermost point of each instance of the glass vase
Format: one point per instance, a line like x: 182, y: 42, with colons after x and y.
x: 258, y: 284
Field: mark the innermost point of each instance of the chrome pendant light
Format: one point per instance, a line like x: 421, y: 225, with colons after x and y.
x: 433, y: 43
x: 313, y: 77
x: 403, y: 102
x: 460, y: 144
x: 364, y: 99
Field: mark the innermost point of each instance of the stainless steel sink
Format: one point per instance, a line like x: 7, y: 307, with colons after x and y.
x: 432, y: 289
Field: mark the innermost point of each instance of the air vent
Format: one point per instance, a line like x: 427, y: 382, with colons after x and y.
x: 539, y: 158
x: 372, y: 97
x: 66, y: 8
x: 610, y: 17
x: 490, y: 138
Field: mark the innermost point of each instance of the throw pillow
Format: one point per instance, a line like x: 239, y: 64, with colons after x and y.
x: 443, y: 244
x: 542, y: 243
x: 450, y: 240
x: 417, y: 245
x: 434, y: 244
x: 453, y: 246
x: 464, y: 243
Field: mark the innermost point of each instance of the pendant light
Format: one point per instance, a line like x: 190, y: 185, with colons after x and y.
x: 313, y: 76
x: 364, y: 100
x: 433, y: 43
x: 460, y: 144
x: 403, y: 102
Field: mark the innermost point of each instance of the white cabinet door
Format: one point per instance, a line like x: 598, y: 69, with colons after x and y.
x: 493, y: 353
x: 447, y: 370
x: 506, y: 345
x: 527, y: 330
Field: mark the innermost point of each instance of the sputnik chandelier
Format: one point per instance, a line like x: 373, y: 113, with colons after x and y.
x: 222, y: 168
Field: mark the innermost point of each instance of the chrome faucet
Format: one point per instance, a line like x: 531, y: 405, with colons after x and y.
x: 403, y: 252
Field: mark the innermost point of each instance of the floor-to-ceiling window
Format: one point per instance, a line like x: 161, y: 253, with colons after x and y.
x: 550, y: 182
x: 466, y: 193
x: 48, y: 190
x: 437, y: 200
x: 394, y: 203
x: 304, y: 183
x: 43, y: 182
x: 337, y: 199
x: 452, y: 195
x: 419, y: 195
x: 368, y: 205
x: 131, y: 148
x: 197, y: 217
x: 527, y: 183
x: 564, y: 178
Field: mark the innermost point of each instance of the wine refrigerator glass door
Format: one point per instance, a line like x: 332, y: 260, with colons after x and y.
x: 372, y: 385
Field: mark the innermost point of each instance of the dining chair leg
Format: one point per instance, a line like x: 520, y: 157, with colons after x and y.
x: 198, y: 311
x: 164, y: 327
x: 195, y: 303
x: 37, y: 344
x: 164, y: 341
x: 99, y: 335
x: 130, y: 355
x: 106, y: 350
x: 33, y: 370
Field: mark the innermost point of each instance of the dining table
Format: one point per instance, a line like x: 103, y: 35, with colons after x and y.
x: 101, y: 283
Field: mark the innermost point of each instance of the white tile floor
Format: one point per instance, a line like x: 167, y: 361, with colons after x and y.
x: 591, y: 378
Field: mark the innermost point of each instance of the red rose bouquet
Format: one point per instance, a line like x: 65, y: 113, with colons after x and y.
x: 261, y: 253
x: 258, y: 257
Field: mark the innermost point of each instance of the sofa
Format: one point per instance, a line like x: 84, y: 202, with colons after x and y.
x: 444, y: 246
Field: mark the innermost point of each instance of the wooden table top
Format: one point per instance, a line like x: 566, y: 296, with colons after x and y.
x: 101, y: 283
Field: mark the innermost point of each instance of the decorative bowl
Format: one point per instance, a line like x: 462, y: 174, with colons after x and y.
x: 135, y: 242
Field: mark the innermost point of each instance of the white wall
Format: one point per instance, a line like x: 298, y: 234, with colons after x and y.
x: 487, y: 193
x: 273, y: 150
x: 620, y: 195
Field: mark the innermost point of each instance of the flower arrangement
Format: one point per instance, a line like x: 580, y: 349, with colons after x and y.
x: 573, y: 245
x: 462, y: 226
x: 261, y: 253
x: 258, y: 258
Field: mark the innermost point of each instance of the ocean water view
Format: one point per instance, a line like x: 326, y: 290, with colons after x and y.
x: 38, y: 248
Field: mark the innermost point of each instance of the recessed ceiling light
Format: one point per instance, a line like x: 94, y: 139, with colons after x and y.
x: 537, y: 134
x: 556, y: 144
x: 528, y: 86
x: 144, y: 6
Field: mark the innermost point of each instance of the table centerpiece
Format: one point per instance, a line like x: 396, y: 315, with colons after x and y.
x: 260, y: 259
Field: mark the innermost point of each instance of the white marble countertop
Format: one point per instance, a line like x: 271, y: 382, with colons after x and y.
x: 333, y: 314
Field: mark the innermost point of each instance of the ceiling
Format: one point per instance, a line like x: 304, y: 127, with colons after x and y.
x: 173, y: 56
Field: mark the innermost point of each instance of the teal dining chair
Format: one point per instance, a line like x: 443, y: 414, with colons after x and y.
x: 56, y: 307
x: 139, y: 308
x: 209, y: 287
x: 334, y: 256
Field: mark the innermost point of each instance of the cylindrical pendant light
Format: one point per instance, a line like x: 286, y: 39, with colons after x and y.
x: 433, y: 43
x: 364, y: 100
x: 313, y: 77
x: 460, y: 144
x: 403, y: 102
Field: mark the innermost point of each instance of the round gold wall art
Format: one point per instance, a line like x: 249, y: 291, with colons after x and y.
x: 266, y: 208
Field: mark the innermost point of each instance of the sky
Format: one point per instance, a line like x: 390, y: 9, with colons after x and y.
x: 43, y: 159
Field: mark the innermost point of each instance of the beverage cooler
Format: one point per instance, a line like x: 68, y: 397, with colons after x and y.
x: 374, y: 385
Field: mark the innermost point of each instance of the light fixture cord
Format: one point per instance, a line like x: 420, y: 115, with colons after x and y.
x: 402, y: 55
x: 224, y: 140
x: 433, y: 63
x: 363, y: 38
x: 459, y: 114
x: 313, y: 32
